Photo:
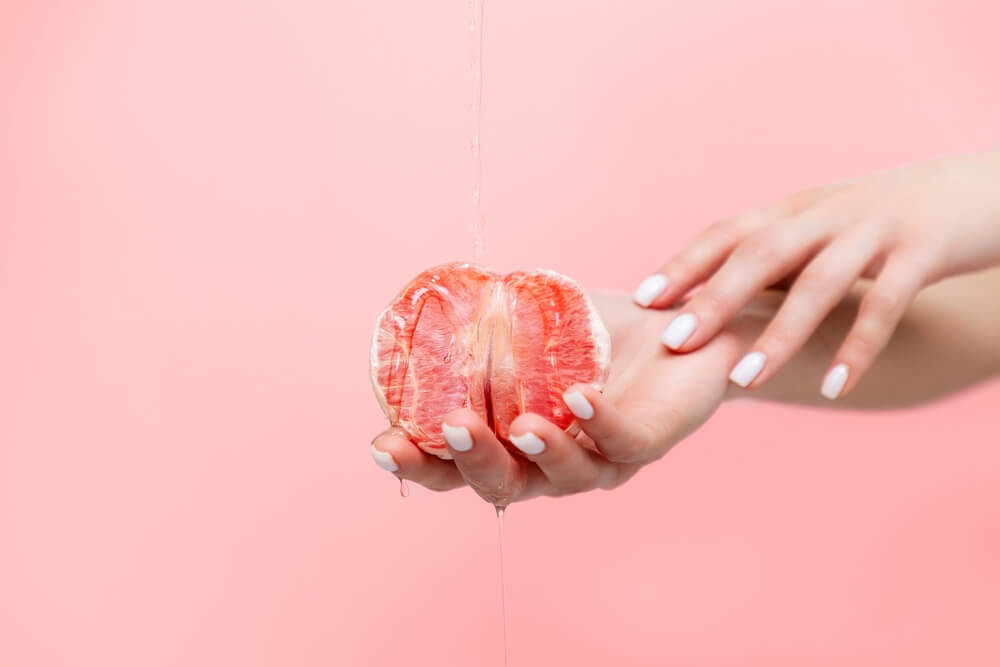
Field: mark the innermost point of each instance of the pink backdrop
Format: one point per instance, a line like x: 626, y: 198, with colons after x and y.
x: 203, y: 206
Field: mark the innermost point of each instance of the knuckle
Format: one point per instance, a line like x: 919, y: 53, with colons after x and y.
x: 717, y: 237
x: 767, y: 247
x: 682, y: 266
x: 757, y: 250
x: 747, y: 223
x: 810, y: 198
x: 813, y: 281
x: 618, y: 474
x: 716, y: 231
x: 779, y: 338
x: 625, y: 450
x: 723, y: 231
x: 880, y: 303
x: 710, y: 303
x: 861, y: 346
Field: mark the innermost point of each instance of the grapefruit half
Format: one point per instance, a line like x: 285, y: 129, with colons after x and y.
x: 460, y: 335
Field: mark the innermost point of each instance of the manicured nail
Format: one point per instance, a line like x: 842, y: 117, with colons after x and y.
x: 458, y: 437
x: 650, y: 288
x: 529, y: 443
x: 834, y: 381
x: 749, y: 367
x: 384, y: 460
x: 679, y: 330
x: 578, y: 404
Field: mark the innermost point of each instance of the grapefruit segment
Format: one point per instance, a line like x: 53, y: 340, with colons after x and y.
x: 460, y: 336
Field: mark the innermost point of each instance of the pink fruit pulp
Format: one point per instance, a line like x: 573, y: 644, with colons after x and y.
x: 459, y: 335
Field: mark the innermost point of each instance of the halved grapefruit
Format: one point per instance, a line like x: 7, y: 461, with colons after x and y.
x: 460, y: 335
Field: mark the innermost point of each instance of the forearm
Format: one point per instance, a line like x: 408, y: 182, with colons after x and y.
x: 948, y: 340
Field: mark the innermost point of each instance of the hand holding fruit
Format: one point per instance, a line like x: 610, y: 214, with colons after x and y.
x: 652, y: 400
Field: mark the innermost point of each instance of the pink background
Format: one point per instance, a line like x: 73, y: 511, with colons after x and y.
x: 203, y: 206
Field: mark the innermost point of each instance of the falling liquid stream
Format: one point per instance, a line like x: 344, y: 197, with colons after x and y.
x: 478, y: 12
x: 503, y: 586
x: 477, y: 8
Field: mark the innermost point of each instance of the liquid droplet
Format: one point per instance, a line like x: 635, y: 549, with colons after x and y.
x: 474, y: 145
x: 404, y: 488
x: 479, y: 236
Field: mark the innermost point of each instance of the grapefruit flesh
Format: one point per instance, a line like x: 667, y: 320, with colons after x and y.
x: 460, y: 335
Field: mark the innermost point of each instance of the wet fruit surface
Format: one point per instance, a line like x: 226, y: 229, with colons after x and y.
x: 459, y: 335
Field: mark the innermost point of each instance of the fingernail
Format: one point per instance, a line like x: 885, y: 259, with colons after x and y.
x: 384, y: 460
x: 650, y: 288
x: 529, y: 443
x: 458, y: 437
x: 834, y: 381
x: 578, y: 404
x: 749, y: 367
x: 679, y: 330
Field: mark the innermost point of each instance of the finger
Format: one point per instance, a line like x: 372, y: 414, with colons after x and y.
x: 618, y: 437
x: 569, y: 467
x: 492, y: 471
x: 692, y: 265
x: 393, y: 452
x: 816, y: 291
x: 761, y: 260
x: 880, y: 311
x: 703, y: 257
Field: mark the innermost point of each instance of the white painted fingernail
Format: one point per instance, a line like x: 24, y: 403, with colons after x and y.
x: 679, y: 330
x: 834, y: 381
x: 749, y: 367
x: 650, y: 288
x: 529, y: 443
x: 384, y: 460
x: 578, y: 404
x: 458, y: 437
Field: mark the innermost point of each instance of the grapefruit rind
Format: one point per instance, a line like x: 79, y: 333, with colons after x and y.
x: 601, y: 340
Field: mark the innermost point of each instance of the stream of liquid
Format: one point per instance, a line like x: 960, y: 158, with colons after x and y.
x: 477, y: 9
x: 503, y: 586
x: 477, y: 12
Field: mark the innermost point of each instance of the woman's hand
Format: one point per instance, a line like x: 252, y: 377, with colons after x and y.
x: 653, y: 399
x: 905, y: 228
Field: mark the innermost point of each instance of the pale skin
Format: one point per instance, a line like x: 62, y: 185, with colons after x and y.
x: 946, y: 338
x: 905, y: 228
